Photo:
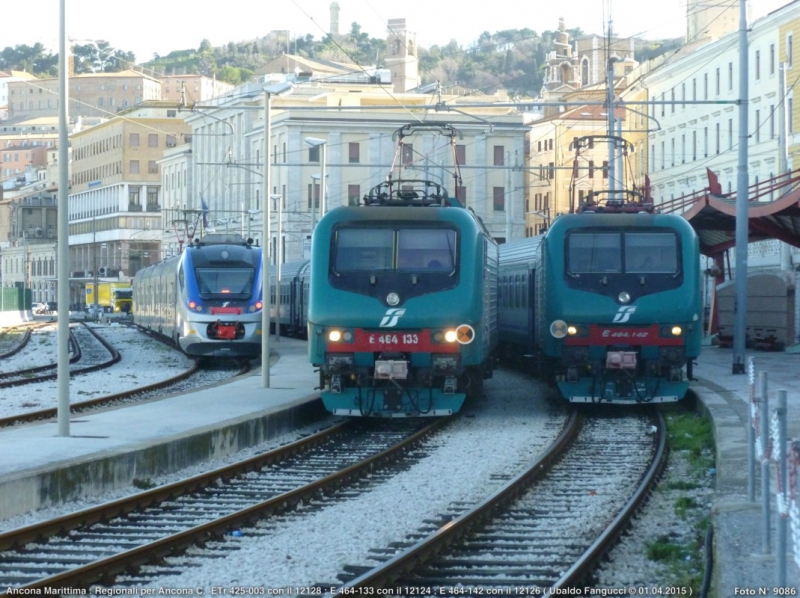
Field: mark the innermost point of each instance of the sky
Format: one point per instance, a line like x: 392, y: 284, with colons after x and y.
x: 148, y: 27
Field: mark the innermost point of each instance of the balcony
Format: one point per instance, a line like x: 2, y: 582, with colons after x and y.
x: 153, y: 207
x: 134, y: 207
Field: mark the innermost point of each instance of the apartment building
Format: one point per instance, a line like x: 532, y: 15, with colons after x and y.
x: 91, y: 94
x: 359, y: 152
x: 115, y: 195
x: 191, y: 88
x: 28, y: 257
x: 7, y: 77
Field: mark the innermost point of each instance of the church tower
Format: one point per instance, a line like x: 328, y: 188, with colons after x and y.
x: 401, y: 56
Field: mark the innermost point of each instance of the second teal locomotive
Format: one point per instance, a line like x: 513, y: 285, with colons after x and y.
x: 607, y: 304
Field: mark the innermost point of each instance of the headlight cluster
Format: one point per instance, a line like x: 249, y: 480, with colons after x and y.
x: 337, y: 335
x: 463, y: 334
x: 193, y: 305
x: 671, y: 330
x: 560, y: 329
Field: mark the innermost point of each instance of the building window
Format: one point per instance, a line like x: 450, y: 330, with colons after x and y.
x: 717, y: 142
x: 313, y: 193
x: 716, y: 81
x: 133, y: 168
x: 152, y: 140
x: 461, y: 154
x: 353, y: 195
x: 461, y: 194
x: 694, y: 146
x: 758, y: 126
x: 499, y: 198
x: 605, y: 168
x: 152, y: 167
x: 171, y: 141
x: 730, y: 133
x: 499, y: 155
x: 407, y: 153
x: 152, y: 199
x: 730, y: 76
x: 672, y: 100
x: 354, y: 153
x: 772, y: 122
x: 705, y: 142
x: 134, y: 140
x: 313, y: 153
x: 772, y: 59
x: 133, y: 196
x: 705, y: 86
x: 757, y: 61
x: 591, y: 169
x: 790, y: 50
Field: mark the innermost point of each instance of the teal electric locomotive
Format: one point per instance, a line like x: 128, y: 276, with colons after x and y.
x: 607, y: 303
x: 402, y: 313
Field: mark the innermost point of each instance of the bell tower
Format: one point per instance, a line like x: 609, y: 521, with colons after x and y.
x: 401, y: 56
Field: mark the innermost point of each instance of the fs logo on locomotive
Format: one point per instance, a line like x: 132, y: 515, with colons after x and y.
x: 391, y: 318
x: 624, y: 314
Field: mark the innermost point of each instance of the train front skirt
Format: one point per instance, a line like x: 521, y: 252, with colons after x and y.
x: 392, y: 402
x: 623, y: 390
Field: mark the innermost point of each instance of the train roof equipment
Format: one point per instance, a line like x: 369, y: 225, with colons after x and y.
x: 404, y: 191
x: 222, y: 239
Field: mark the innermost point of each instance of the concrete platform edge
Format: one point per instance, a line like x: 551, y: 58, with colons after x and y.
x: 72, y: 480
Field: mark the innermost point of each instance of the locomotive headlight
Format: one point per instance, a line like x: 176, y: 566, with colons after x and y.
x: 438, y: 336
x: 335, y: 336
x: 676, y: 331
x: 450, y: 336
x: 572, y: 330
x: 624, y: 297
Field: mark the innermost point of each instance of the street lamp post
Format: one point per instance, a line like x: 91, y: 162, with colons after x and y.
x: 269, y: 91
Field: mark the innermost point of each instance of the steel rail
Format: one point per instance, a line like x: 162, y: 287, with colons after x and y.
x: 105, y: 570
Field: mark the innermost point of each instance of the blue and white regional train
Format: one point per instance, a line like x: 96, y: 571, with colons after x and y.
x: 206, y: 300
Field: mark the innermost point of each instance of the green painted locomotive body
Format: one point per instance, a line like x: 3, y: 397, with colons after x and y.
x: 607, y: 304
x: 402, y: 311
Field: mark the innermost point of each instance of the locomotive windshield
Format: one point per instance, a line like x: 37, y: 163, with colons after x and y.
x: 653, y: 252
x: 225, y: 283
x: 403, y: 249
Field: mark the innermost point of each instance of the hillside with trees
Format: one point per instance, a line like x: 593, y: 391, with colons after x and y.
x: 511, y: 59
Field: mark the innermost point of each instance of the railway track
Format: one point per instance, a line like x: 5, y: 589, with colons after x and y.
x: 84, y: 342
x: 196, y: 373
x: 547, y: 528
x: 97, y: 545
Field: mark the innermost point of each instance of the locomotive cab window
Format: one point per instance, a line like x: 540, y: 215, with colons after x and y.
x: 225, y: 283
x: 363, y: 250
x: 649, y: 253
x: 401, y: 250
x: 426, y: 250
x: 653, y: 252
x: 403, y: 258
